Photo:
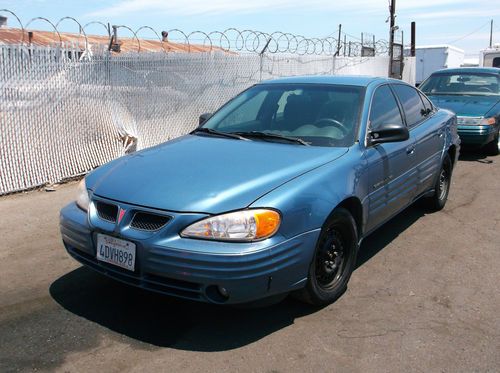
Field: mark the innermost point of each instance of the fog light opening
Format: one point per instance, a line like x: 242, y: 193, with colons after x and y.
x: 217, y: 293
x: 223, y: 291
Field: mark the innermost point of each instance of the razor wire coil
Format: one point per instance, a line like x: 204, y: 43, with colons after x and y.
x: 228, y: 40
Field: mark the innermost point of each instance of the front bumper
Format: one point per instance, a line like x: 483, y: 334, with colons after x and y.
x: 193, y: 269
x: 477, y: 135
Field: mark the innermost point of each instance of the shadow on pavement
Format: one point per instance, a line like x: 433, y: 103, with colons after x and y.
x: 474, y: 155
x: 388, y: 232
x: 169, y: 322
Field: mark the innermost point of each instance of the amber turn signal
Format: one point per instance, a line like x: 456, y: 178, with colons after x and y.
x: 267, y: 222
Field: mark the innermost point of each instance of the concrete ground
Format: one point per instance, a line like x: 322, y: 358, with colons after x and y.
x: 425, y: 297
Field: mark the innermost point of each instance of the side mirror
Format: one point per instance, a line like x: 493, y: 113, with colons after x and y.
x: 203, y: 118
x: 389, y: 133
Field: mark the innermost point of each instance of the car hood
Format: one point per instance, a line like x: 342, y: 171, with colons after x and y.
x: 471, y: 106
x: 205, y: 174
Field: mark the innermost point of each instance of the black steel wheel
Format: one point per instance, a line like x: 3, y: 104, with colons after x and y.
x: 330, y: 260
x: 334, y: 260
x: 438, y: 200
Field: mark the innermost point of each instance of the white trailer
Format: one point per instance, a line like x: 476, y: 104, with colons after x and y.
x: 435, y: 57
x: 490, y: 57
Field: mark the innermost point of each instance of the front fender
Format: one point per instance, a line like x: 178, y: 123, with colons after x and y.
x: 452, y: 138
x: 306, y: 201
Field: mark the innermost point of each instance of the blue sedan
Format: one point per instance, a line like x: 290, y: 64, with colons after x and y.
x: 474, y: 95
x: 272, y: 194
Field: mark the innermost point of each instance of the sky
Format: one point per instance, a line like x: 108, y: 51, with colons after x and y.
x: 462, y: 23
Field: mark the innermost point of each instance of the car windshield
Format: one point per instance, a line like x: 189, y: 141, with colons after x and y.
x: 462, y: 84
x: 301, y: 114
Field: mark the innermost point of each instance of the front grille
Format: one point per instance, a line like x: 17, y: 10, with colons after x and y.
x: 148, y: 222
x: 106, y: 211
x: 469, y: 121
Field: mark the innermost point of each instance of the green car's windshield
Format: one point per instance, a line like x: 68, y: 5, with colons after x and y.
x: 462, y: 84
x: 307, y: 114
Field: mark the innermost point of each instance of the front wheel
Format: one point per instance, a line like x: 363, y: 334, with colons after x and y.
x: 493, y: 147
x: 334, y: 260
x: 438, y: 200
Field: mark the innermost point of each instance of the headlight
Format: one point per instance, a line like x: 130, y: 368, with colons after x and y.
x: 475, y: 121
x: 82, y: 199
x: 246, y: 225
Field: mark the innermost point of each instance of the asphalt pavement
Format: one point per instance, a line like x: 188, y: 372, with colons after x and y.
x: 424, y: 298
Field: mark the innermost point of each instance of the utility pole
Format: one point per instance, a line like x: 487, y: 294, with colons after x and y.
x: 392, y: 10
x: 491, y: 34
x: 412, y: 36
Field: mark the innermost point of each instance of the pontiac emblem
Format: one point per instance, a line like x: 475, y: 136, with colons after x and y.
x: 121, y: 213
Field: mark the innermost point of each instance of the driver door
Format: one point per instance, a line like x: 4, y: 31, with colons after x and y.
x: 392, y: 174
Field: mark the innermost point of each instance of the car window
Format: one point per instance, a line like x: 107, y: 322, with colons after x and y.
x: 465, y: 83
x: 427, y: 103
x: 384, y: 108
x: 247, y: 111
x: 318, y: 114
x: 282, y: 101
x: 413, y: 106
x: 496, y: 62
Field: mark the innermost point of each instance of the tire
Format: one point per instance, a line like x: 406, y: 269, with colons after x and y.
x: 493, y: 147
x: 437, y: 201
x: 334, y: 260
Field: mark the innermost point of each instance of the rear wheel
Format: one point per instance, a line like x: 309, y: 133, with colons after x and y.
x: 493, y: 147
x: 334, y: 260
x: 438, y: 200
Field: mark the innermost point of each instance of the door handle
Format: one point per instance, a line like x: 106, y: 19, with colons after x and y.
x: 441, y: 133
x: 410, y: 150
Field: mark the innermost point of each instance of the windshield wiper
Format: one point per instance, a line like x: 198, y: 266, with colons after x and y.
x: 217, y: 133
x: 443, y: 94
x: 268, y: 135
x: 461, y: 94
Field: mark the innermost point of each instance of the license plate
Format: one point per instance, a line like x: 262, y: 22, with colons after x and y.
x: 115, y: 251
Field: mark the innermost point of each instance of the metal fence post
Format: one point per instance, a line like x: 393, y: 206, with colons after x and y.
x: 262, y: 58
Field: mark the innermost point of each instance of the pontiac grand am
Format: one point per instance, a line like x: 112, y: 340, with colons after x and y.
x: 272, y: 194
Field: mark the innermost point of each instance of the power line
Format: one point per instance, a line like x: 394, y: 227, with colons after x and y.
x: 333, y: 33
x: 469, y: 34
x: 352, y: 36
x: 343, y: 33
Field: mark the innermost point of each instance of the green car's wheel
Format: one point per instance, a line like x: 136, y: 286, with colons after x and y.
x: 493, y: 147
x: 334, y: 260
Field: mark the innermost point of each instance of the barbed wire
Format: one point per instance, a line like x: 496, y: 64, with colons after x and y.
x: 228, y: 40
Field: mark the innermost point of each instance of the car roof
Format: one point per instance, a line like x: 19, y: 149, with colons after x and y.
x: 458, y: 70
x: 352, y: 80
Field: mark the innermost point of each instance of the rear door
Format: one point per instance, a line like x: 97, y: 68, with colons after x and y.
x: 391, y: 166
x: 428, y: 132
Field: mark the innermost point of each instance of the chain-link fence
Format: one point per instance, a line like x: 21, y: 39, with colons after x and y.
x: 60, y: 118
x: 62, y: 114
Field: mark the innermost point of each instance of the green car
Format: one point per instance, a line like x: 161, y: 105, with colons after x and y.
x: 474, y: 95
